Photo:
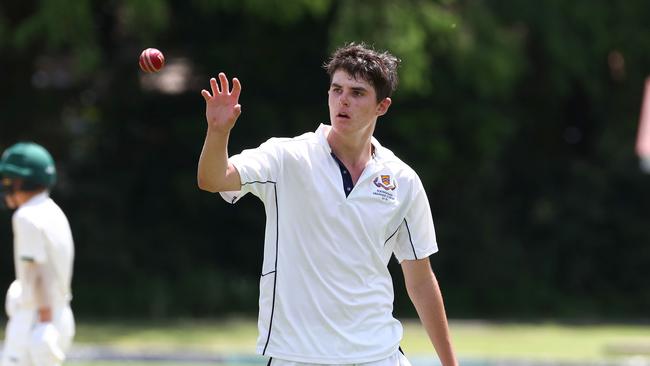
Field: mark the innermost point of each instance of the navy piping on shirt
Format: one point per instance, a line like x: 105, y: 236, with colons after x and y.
x: 410, y: 240
x: 391, y: 236
x: 275, y: 269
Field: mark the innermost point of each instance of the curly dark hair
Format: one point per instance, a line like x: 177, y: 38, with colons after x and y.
x: 362, y: 61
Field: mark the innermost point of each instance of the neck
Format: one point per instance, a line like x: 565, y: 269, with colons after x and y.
x: 22, y: 197
x: 351, y: 149
x: 355, y: 155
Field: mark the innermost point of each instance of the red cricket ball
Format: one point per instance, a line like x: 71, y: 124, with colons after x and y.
x: 152, y: 60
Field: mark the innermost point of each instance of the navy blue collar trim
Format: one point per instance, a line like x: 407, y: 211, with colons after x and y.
x: 345, y: 174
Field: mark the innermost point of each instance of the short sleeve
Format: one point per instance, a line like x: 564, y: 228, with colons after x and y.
x: 258, y: 169
x: 29, y: 241
x: 416, y: 236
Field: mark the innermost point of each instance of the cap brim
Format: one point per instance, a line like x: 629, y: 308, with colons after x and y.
x: 12, y: 170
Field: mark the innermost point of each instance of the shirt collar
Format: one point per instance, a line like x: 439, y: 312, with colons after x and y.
x: 41, y: 197
x: 321, y: 135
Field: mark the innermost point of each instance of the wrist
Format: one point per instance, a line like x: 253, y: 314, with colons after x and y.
x: 218, y: 132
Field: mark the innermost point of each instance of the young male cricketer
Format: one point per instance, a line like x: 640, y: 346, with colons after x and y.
x: 41, y: 324
x: 338, y: 205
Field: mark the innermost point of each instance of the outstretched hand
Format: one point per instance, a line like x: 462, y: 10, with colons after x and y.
x: 222, y: 106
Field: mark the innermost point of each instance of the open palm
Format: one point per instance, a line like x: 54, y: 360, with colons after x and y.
x: 222, y: 105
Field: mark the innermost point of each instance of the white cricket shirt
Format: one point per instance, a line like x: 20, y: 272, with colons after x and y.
x: 42, y: 234
x: 326, y: 295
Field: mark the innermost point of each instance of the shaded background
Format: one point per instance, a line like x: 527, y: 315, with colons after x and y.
x: 519, y: 116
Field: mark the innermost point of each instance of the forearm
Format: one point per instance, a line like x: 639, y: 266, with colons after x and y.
x: 40, y: 285
x: 427, y: 299
x: 213, y: 162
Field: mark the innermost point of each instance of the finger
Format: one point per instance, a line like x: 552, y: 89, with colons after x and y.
x: 206, y: 95
x: 236, y: 87
x: 214, y: 86
x: 225, y: 88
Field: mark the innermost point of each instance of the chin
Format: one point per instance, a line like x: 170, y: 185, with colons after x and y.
x: 341, y: 121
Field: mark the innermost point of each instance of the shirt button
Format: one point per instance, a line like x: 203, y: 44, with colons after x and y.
x: 348, y: 188
x: 345, y: 172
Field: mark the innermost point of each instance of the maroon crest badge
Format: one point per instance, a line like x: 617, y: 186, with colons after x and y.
x: 384, y: 181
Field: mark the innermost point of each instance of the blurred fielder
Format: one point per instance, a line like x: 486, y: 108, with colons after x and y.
x: 41, y: 325
x: 338, y: 205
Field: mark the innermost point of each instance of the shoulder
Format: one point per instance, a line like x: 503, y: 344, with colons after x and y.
x: 305, y: 138
x: 26, y: 217
x: 39, y: 214
x: 405, y: 176
x: 291, y: 145
x: 395, y: 164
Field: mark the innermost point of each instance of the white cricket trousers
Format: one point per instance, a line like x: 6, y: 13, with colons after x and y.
x: 28, y: 343
x: 396, y: 359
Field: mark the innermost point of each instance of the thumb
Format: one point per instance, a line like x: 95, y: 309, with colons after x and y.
x: 237, y: 109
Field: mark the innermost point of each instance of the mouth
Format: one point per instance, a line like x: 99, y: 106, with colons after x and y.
x: 343, y: 115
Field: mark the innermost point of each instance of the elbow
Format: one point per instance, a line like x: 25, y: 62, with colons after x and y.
x: 206, y: 185
x: 217, y: 182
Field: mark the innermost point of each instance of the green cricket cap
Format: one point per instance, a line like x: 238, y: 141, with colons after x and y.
x: 30, y: 162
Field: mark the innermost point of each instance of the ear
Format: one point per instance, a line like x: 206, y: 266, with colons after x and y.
x: 382, y: 107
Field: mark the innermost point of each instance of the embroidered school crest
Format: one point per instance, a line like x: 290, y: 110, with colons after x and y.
x: 384, y: 181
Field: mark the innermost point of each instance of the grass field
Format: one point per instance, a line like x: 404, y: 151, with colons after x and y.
x: 474, y: 340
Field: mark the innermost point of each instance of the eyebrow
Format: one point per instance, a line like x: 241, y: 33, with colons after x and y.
x: 354, y: 88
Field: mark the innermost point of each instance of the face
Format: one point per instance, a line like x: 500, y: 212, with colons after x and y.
x: 6, y: 193
x: 10, y: 196
x: 353, y: 103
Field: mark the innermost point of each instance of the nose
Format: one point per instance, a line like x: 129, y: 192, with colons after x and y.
x: 343, y: 100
